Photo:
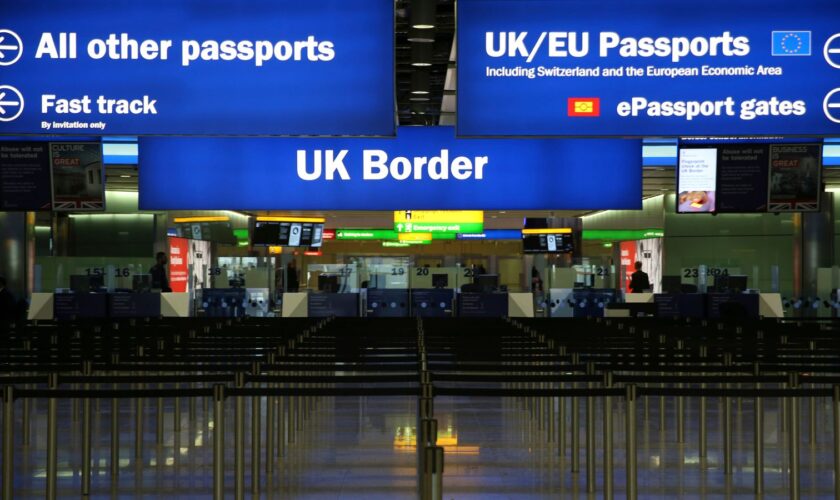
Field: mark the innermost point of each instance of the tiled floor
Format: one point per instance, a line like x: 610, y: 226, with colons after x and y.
x: 351, y: 447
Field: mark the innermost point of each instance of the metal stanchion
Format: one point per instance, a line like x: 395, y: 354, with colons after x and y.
x: 793, y: 434
x: 812, y: 406
x: 87, y: 368
x: 630, y: 445
x: 727, y: 425
x: 52, y: 439
x: 758, y: 459
x: 426, y: 438
x: 218, y: 442
x: 27, y: 423
x: 159, y: 422
x: 590, y: 442
x: 115, y: 437
x: 8, y: 441
x: 561, y: 424
x: 575, y: 436
x: 239, y: 441
x: 433, y: 473
x: 704, y: 352
x: 270, y: 402
x: 608, y: 441
x: 255, y: 436
x: 835, y: 413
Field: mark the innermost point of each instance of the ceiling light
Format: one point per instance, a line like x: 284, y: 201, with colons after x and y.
x: 421, y: 55
x: 420, y: 36
x: 423, y: 14
x: 125, y: 176
x: 420, y: 82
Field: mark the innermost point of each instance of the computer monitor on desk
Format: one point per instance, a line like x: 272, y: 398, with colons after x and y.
x: 487, y: 283
x: 672, y: 284
x: 440, y: 280
x: 328, y: 283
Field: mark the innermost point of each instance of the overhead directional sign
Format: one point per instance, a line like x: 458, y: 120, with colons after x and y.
x: 438, y: 221
x: 197, y: 67
x: 423, y: 168
x: 648, y: 67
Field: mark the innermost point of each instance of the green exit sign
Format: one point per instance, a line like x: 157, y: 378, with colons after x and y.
x: 365, y: 234
x: 439, y: 228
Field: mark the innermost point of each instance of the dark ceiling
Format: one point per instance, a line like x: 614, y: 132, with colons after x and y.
x: 423, y: 109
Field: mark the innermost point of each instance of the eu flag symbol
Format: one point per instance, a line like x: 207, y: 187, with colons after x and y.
x: 791, y: 43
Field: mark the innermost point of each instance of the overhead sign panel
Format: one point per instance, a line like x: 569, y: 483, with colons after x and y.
x: 424, y: 167
x: 649, y: 67
x: 196, y: 67
x: 439, y: 221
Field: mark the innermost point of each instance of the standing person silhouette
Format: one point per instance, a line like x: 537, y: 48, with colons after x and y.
x: 639, y: 281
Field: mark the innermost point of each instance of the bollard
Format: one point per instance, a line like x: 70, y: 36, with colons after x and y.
x: 630, y: 445
x: 8, y: 441
x: 27, y: 422
x: 835, y: 412
x: 176, y: 419
x: 433, y: 473
x: 52, y: 439
x: 87, y: 368
x: 727, y: 424
x: 115, y: 438
x: 575, y: 436
x: 426, y: 437
x: 159, y: 423
x: 218, y: 442
x: 590, y: 442
x: 608, y: 441
x: 561, y: 424
x: 239, y: 440
x: 793, y: 435
x: 758, y: 458
x: 255, y: 436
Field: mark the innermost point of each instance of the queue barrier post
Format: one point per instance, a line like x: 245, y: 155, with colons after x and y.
x: 835, y: 413
x: 8, y: 441
x: 52, y: 439
x: 630, y: 397
x: 239, y: 440
x: 218, y: 442
x: 433, y: 473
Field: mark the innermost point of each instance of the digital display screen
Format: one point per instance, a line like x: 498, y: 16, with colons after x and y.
x: 293, y: 234
x: 749, y: 178
x: 548, y: 243
x: 696, y: 180
x: 219, y: 232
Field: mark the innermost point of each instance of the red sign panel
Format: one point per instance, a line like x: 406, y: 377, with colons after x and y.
x: 179, y: 249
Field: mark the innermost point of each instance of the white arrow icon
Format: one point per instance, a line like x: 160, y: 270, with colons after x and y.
x: 831, y: 52
x: 10, y: 98
x: 831, y: 108
x: 9, y: 41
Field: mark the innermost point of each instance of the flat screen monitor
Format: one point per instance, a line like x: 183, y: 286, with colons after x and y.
x: 671, y: 284
x: 487, y: 282
x: 328, y: 283
x: 548, y: 243
x: 141, y: 282
x: 266, y: 233
x: 85, y: 283
x: 292, y: 234
x: 697, y: 180
x: 215, y: 231
x: 440, y: 280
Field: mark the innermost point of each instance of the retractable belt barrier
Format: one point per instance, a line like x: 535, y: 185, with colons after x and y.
x: 545, y: 366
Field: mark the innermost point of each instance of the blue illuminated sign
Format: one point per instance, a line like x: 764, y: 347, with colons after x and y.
x: 423, y: 168
x: 493, y: 234
x: 648, y: 67
x: 197, y: 67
